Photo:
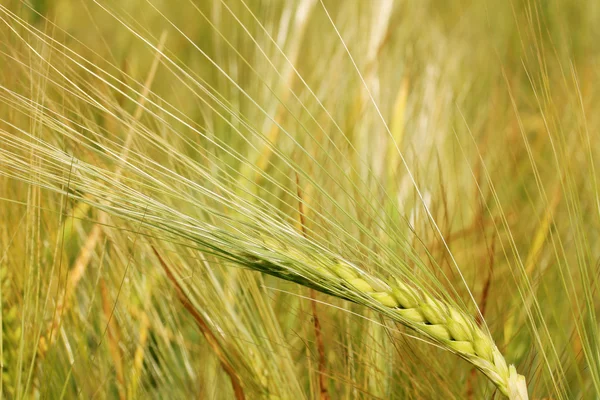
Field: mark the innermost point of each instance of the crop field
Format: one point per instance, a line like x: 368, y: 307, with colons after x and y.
x: 299, y: 199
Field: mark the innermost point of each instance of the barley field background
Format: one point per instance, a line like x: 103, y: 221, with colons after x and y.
x: 299, y: 199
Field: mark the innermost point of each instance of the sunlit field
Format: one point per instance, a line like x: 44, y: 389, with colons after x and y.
x: 299, y: 199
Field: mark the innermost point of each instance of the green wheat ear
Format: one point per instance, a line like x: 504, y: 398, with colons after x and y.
x: 11, y: 335
x: 442, y: 322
